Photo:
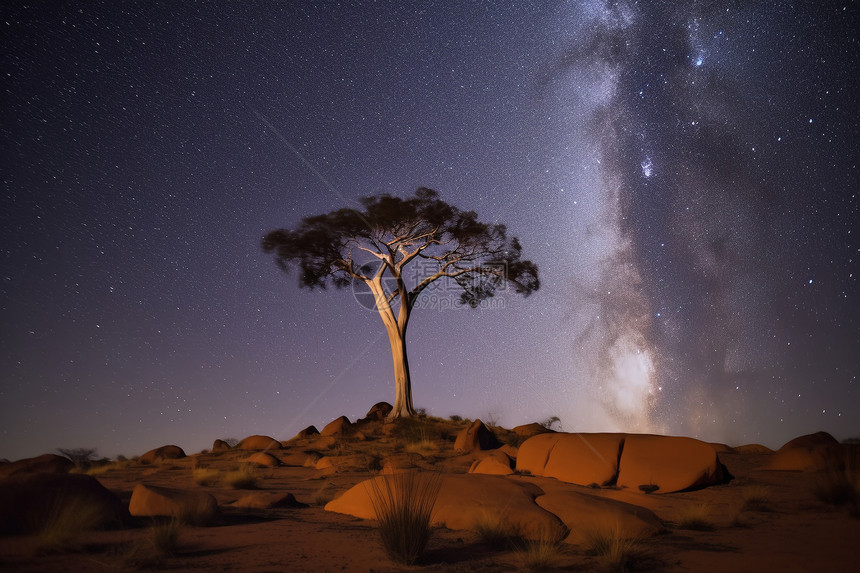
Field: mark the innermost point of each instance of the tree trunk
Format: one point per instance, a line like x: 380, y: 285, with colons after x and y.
x: 402, y: 382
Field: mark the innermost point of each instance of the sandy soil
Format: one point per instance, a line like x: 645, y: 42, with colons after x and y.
x: 792, y: 531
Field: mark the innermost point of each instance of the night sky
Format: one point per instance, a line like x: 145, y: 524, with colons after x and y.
x: 684, y: 174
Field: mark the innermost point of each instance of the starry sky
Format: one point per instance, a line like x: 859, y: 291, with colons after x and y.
x: 684, y: 174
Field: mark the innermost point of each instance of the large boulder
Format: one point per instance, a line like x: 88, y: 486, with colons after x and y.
x: 494, y: 463
x: 262, y: 460
x: 337, y: 427
x: 529, y: 430
x: 464, y: 500
x: 813, y: 452
x: 161, y: 454
x: 585, y: 459
x: 308, y: 432
x: 46, y: 463
x: 475, y: 437
x: 266, y: 500
x: 29, y: 501
x: 221, y: 446
x: 258, y: 442
x: 154, y: 501
x: 378, y: 412
x: 533, y: 454
x: 753, y: 449
x: 666, y: 464
x: 582, y: 513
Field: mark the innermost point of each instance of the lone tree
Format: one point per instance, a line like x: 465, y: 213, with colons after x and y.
x: 441, y: 242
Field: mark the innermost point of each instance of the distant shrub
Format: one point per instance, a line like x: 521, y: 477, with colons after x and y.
x: 404, y: 504
x: 696, y: 518
x: 206, y: 477
x: 840, y: 488
x: 455, y: 418
x: 81, y: 457
x: 243, y: 478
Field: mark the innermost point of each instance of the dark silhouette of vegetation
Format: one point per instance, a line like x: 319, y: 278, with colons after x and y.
x: 397, y: 248
x: 81, y: 457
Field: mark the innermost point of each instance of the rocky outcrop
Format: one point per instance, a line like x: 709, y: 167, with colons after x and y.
x: 46, y: 463
x: 378, y: 412
x: 308, y: 432
x: 29, y: 501
x: 475, y: 437
x: 153, y: 501
x: 161, y: 454
x: 337, y: 427
x: 221, y: 446
x: 658, y: 463
x: 262, y: 460
x: 258, y: 442
x: 813, y: 452
x: 529, y: 430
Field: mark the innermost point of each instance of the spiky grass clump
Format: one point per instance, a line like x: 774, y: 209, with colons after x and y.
x: 495, y: 533
x: 543, y: 553
x: 616, y: 551
x: 243, y: 478
x: 404, y: 503
x: 206, y: 477
x: 696, y: 517
x: 165, y: 536
x: 66, y: 521
x: 755, y: 498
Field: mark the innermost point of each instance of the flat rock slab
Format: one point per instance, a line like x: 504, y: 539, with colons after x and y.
x: 464, y: 500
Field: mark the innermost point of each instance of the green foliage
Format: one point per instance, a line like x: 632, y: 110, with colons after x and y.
x: 404, y: 503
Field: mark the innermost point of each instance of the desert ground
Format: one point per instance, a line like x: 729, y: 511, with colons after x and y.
x: 302, y: 504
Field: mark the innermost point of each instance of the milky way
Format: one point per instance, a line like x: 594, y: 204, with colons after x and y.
x: 721, y: 135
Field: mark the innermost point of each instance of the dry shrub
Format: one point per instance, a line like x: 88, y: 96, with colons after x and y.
x: 165, y: 535
x: 66, y: 521
x: 543, y: 553
x: 495, y: 532
x: 206, y: 477
x: 243, y: 478
x: 617, y: 552
x: 755, y: 498
x: 696, y: 517
x: 840, y: 488
x: 404, y: 504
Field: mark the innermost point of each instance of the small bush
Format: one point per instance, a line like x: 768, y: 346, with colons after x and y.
x: 165, y: 536
x: 840, y: 488
x: 404, y: 504
x: 617, y: 552
x: 696, y: 518
x: 455, y: 418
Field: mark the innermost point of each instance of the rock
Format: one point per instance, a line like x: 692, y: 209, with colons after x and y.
x: 582, y: 513
x: 722, y: 448
x: 463, y: 501
x: 510, y: 450
x: 161, y: 454
x: 152, y: 501
x: 263, y: 460
x: 585, y: 459
x: 378, y: 412
x: 336, y: 427
x: 324, y: 463
x: 258, y: 442
x: 221, y: 446
x: 306, y: 433
x: 495, y: 463
x: 753, y: 449
x: 670, y: 463
x: 529, y: 430
x: 324, y: 443
x: 46, y: 463
x: 812, y: 452
x: 28, y: 501
x: 266, y: 500
x: 533, y: 454
x: 475, y: 437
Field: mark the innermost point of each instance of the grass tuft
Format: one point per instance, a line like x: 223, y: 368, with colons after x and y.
x: 243, y: 478
x: 543, y: 553
x: 206, y: 477
x: 617, y: 552
x: 840, y: 488
x: 65, y: 523
x: 755, y: 498
x: 495, y: 533
x: 696, y: 518
x: 404, y: 503
x: 165, y: 536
